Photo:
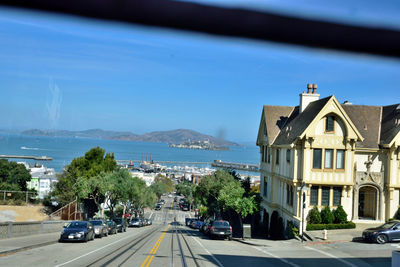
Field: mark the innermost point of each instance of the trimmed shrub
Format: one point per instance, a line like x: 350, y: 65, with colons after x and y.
x: 331, y: 226
x: 327, y: 216
x: 291, y: 230
x: 340, y: 216
x: 314, y: 217
x: 397, y: 215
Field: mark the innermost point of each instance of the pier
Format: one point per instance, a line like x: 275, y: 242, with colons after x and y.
x: 215, y: 163
x: 236, y: 166
x: 25, y: 157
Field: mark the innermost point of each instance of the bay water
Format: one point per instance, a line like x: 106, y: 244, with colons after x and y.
x: 63, y: 150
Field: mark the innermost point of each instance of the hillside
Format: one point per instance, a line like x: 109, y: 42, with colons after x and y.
x: 174, y: 136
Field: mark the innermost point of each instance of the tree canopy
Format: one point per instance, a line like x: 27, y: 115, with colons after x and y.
x: 13, y: 176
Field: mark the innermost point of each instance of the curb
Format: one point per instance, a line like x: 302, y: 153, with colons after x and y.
x: 12, y: 251
x: 326, y: 242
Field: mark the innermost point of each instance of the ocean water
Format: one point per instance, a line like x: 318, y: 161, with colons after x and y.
x: 63, y: 150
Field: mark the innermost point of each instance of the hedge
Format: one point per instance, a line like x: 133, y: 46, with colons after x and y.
x: 330, y: 226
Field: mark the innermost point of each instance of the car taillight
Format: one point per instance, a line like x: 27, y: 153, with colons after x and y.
x: 213, y: 228
x: 230, y: 228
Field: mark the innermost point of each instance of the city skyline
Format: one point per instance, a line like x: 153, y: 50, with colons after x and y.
x: 63, y: 72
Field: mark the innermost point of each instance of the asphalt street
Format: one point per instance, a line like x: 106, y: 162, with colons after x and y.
x: 168, y: 242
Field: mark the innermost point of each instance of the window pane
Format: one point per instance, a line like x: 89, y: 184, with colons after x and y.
x: 325, y: 196
x: 314, y: 196
x: 337, y: 194
x: 317, y: 153
x: 265, y: 188
x: 288, y: 155
x: 328, y: 158
x: 329, y: 124
x: 340, y: 159
x: 277, y: 156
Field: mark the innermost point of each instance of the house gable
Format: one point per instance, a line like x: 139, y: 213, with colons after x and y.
x: 332, y: 108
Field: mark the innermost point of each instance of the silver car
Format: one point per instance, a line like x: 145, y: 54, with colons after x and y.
x: 100, y: 228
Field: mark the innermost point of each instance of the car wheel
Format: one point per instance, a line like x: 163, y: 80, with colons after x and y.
x: 229, y: 237
x: 381, y: 239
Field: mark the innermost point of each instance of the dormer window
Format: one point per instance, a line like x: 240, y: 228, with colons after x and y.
x: 330, y: 124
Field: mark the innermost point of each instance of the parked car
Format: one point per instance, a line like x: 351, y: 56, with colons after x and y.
x: 77, y: 231
x: 188, y: 221
x: 387, y: 232
x: 121, y: 224
x: 185, y: 207
x: 100, y: 228
x: 158, y: 207
x: 148, y: 221
x: 220, y: 228
x: 112, y: 227
x: 162, y: 201
x: 207, y: 226
x: 135, y: 222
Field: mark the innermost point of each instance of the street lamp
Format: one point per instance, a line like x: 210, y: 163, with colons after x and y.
x: 303, y: 188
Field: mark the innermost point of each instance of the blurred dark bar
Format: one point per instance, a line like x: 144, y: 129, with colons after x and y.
x: 229, y: 22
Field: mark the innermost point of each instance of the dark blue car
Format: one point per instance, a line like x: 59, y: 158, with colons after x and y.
x: 387, y: 232
x: 77, y: 231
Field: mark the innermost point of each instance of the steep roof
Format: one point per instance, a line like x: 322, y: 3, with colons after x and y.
x: 377, y: 125
x: 390, y: 123
x: 298, y: 122
x: 275, y: 119
x: 367, y: 119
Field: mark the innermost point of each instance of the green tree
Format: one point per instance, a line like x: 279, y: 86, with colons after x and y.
x: 13, y: 176
x: 117, y: 188
x: 231, y: 197
x: 208, y: 190
x: 91, y: 165
x: 186, y: 189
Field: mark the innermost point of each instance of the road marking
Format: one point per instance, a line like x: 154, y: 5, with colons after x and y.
x: 276, y: 257
x: 84, y: 255
x: 332, y: 256
x: 153, y: 251
x: 209, y: 253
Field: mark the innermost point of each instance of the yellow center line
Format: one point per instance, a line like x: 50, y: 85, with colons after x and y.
x: 153, y: 251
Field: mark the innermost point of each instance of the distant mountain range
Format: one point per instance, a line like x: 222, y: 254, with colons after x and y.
x: 174, y: 136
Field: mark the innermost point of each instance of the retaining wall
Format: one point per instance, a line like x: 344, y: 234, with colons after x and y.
x: 15, y: 229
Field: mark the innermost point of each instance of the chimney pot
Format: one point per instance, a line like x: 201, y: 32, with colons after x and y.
x: 315, y: 86
x: 309, y: 87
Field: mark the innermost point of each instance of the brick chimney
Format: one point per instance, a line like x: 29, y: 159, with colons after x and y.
x: 310, y: 96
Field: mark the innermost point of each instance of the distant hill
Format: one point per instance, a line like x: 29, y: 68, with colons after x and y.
x: 174, y: 136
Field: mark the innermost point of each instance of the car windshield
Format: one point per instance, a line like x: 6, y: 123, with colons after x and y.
x: 96, y: 222
x: 118, y: 220
x: 76, y: 225
x: 135, y: 220
x: 388, y: 225
x: 221, y: 223
x: 109, y: 223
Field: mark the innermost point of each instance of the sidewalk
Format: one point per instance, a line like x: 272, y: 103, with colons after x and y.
x: 12, y: 245
x: 334, y: 236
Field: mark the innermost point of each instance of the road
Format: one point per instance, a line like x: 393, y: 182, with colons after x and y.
x: 167, y: 243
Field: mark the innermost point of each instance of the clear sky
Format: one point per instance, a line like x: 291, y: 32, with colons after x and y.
x: 61, y: 72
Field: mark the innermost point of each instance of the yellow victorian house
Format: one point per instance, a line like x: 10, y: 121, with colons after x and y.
x: 343, y: 154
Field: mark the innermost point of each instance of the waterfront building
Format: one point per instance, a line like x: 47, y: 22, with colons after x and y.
x: 42, y: 178
x: 344, y: 154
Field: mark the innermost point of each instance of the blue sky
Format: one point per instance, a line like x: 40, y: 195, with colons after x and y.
x: 61, y: 72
